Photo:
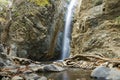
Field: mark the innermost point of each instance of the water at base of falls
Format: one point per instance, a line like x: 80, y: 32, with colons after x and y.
x: 67, y: 30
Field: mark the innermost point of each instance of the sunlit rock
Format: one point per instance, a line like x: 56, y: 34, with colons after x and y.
x: 17, y: 78
x: 114, y: 74
x: 100, y: 72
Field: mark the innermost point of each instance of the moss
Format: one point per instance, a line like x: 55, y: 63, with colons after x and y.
x: 40, y: 2
x: 117, y: 20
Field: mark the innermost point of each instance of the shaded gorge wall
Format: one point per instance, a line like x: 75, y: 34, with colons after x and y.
x: 34, y: 29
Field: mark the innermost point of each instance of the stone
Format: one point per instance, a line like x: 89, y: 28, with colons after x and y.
x: 104, y: 73
x: 22, y: 53
x: 114, y: 74
x: 13, y: 50
x: 17, y: 78
x: 34, y: 76
x: 100, y: 72
x: 36, y: 68
x: 42, y: 78
x: 1, y: 48
x: 4, y: 60
x: 53, y: 68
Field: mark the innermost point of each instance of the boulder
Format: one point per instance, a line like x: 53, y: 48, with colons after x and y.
x: 53, y: 68
x: 114, y: 74
x: 17, y: 78
x: 34, y: 76
x: 4, y: 60
x: 104, y: 73
x: 100, y: 72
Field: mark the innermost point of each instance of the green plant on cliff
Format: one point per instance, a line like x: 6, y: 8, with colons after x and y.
x: 117, y: 20
x: 40, y: 2
x: 4, y: 3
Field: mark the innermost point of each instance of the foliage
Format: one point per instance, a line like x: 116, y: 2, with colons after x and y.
x: 4, y: 3
x: 40, y: 2
x: 117, y: 20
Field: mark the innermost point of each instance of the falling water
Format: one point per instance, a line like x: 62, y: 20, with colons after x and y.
x: 67, y: 30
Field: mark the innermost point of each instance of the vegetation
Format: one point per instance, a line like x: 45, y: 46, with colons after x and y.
x: 117, y: 20
x: 40, y: 2
x: 4, y: 3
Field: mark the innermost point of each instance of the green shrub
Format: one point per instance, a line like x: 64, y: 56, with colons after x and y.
x: 40, y: 2
x: 117, y: 20
x: 4, y: 3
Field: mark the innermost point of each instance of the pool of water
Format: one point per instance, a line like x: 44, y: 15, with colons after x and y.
x: 70, y: 74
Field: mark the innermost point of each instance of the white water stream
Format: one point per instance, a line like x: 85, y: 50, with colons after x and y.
x: 67, y: 29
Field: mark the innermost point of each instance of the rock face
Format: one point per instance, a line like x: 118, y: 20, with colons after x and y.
x: 33, y: 27
x: 96, y: 28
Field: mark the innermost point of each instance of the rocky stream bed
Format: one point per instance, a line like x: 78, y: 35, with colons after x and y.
x: 79, y: 67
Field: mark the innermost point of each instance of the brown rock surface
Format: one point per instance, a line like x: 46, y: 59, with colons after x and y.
x: 96, y: 31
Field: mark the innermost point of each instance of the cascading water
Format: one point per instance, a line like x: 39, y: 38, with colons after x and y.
x: 67, y: 29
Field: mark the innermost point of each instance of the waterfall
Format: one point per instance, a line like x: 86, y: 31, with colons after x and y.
x: 67, y: 30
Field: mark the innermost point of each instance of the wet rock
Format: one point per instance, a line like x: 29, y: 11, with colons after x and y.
x: 33, y: 76
x: 36, y: 68
x: 10, y: 69
x: 49, y: 68
x: 17, y: 78
x: 1, y: 48
x: 53, y: 68
x: 13, y: 50
x: 42, y: 78
x: 100, y: 72
x: 5, y: 60
x: 22, y: 54
x: 59, y: 43
x: 2, y: 64
x: 27, y: 71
